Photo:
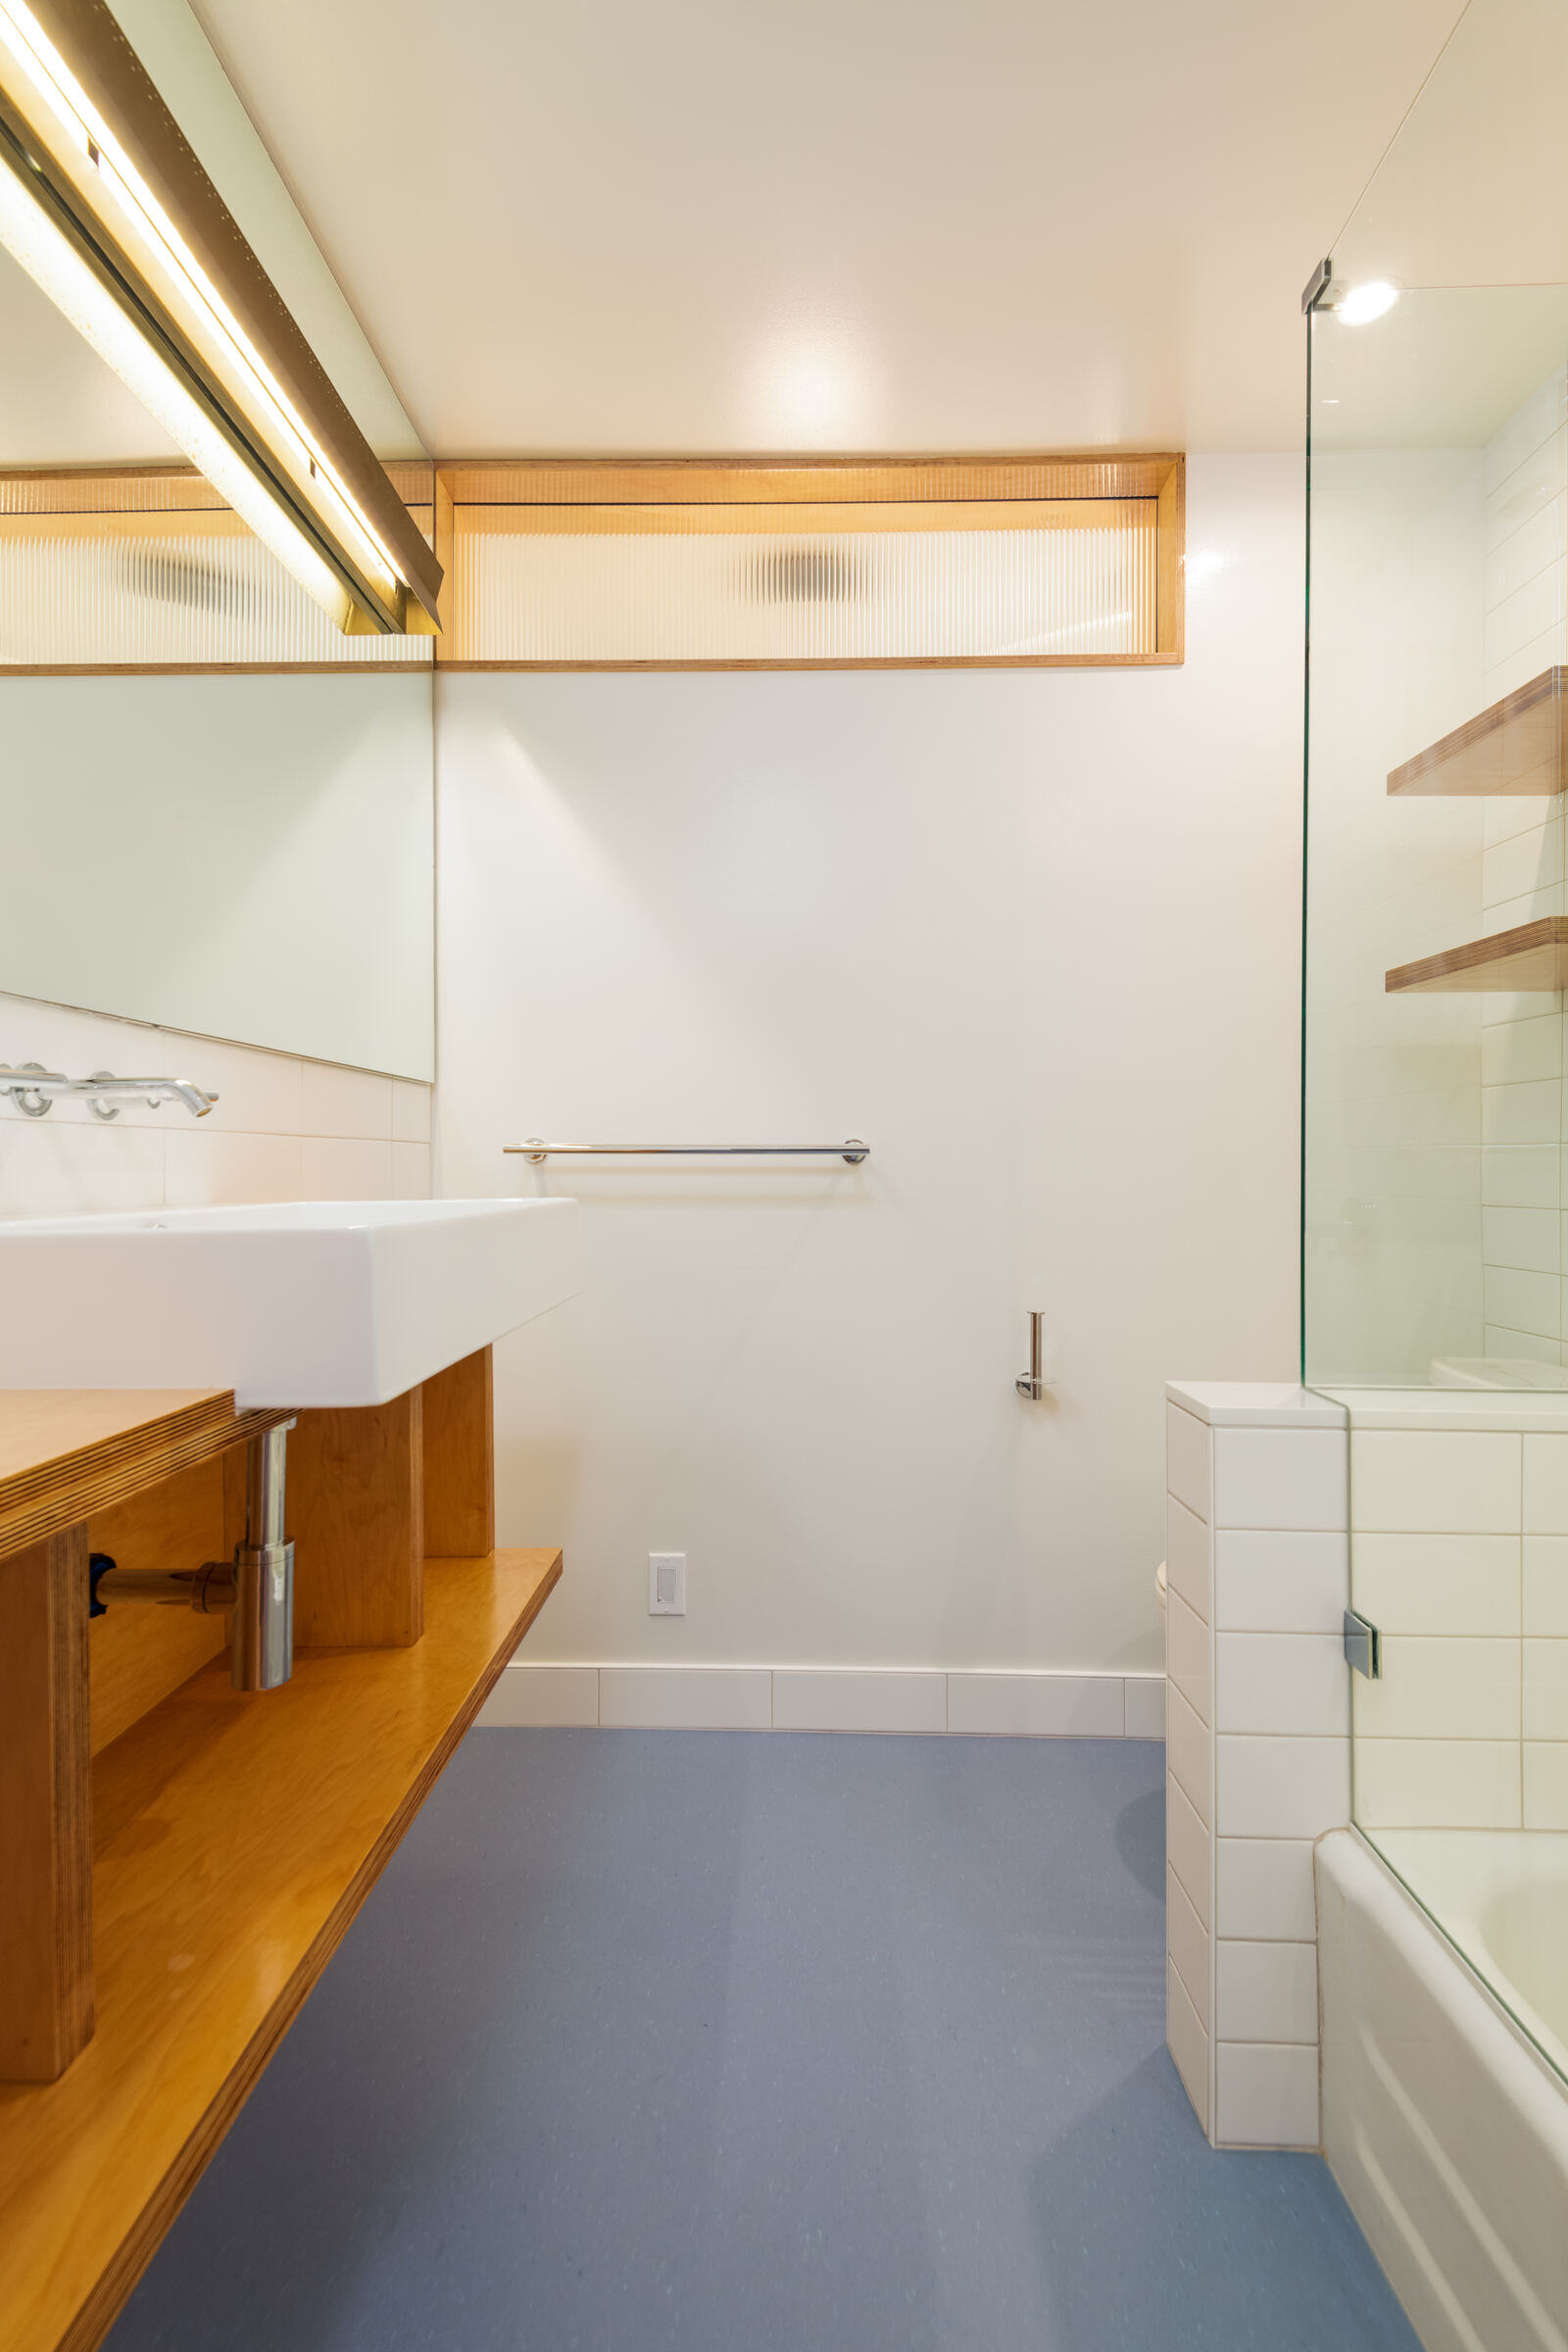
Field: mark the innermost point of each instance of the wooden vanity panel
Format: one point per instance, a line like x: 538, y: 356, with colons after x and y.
x: 140, y: 1653
x: 46, y: 1975
x: 459, y: 1476
x: 356, y: 1512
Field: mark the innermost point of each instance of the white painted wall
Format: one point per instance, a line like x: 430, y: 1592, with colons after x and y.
x: 1036, y: 935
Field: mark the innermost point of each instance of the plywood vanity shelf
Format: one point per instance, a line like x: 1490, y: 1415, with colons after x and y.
x: 1532, y: 955
x: 232, y: 1835
x: 235, y: 1839
x: 1516, y: 745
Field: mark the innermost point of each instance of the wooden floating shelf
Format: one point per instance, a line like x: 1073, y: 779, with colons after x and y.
x: 1516, y: 747
x: 235, y: 1837
x: 1535, y: 956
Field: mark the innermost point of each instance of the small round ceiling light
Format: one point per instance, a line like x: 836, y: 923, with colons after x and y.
x: 1363, y: 304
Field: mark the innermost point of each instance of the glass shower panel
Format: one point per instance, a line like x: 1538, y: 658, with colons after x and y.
x: 1434, y: 1051
x: 1433, y: 1204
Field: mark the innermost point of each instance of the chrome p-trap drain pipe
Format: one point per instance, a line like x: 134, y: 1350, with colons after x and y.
x: 257, y: 1586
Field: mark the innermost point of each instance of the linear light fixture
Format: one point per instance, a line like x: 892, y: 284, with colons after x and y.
x: 107, y: 208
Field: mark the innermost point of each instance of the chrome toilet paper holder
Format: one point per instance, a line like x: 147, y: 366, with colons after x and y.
x: 1033, y: 1384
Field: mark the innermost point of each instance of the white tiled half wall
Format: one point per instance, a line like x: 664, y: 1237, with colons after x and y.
x: 1258, y: 1748
x: 281, y: 1130
x: 1461, y: 1555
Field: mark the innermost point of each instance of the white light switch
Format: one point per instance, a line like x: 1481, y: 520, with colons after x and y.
x: 667, y: 1584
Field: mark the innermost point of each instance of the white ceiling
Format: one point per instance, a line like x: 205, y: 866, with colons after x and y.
x: 705, y: 225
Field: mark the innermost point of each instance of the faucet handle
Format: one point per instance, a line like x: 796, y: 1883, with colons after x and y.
x: 31, y: 1100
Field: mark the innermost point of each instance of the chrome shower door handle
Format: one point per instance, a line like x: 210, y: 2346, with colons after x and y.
x: 1033, y: 1384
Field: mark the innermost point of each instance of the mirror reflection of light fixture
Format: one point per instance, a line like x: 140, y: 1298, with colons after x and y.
x: 106, y: 207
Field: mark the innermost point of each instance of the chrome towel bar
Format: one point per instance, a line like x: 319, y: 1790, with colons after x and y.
x: 851, y: 1150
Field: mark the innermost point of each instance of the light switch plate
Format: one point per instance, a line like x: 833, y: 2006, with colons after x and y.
x: 667, y: 1584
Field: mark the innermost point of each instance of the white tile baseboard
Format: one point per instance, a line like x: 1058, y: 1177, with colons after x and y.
x: 966, y: 1704
x: 808, y: 1698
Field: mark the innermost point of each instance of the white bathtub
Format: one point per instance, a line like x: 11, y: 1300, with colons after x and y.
x: 1443, y: 2122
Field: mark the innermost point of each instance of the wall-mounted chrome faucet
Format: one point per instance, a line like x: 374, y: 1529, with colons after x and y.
x: 258, y: 1586
x: 33, y: 1090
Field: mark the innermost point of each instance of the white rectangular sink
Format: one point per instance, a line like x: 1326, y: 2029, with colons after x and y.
x: 312, y: 1303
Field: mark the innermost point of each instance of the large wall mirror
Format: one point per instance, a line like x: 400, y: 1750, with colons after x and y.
x: 217, y: 808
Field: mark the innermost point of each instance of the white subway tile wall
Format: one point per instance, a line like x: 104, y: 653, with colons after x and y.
x: 1187, y: 2037
x: 1263, y: 1890
x: 1267, y: 1992
x: 1189, y: 1849
x: 281, y: 1130
x: 1544, y: 1505
x: 1188, y: 1940
x: 1545, y: 1584
x: 1282, y: 1684
x: 1525, y: 585
x: 1266, y: 2095
x: 1438, y: 1783
x: 1278, y: 1479
x: 1439, y: 1480
x: 1468, y: 1725
x: 1188, y: 1645
x: 1437, y: 1583
x: 1190, y: 1756
x: 1189, y: 1473
x: 1269, y: 1581
x: 1546, y: 1784
x: 1257, y: 1747
x: 1188, y: 1565
x: 1281, y: 1788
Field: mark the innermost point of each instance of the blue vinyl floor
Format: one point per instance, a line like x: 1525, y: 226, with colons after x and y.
x: 757, y: 2043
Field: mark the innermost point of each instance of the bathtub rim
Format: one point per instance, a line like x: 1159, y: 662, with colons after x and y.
x: 1420, y: 1922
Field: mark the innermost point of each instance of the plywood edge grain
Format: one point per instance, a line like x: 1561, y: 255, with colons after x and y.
x: 1515, y: 746
x: 56, y: 1493
x: 44, y: 1431
x: 1531, y: 957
